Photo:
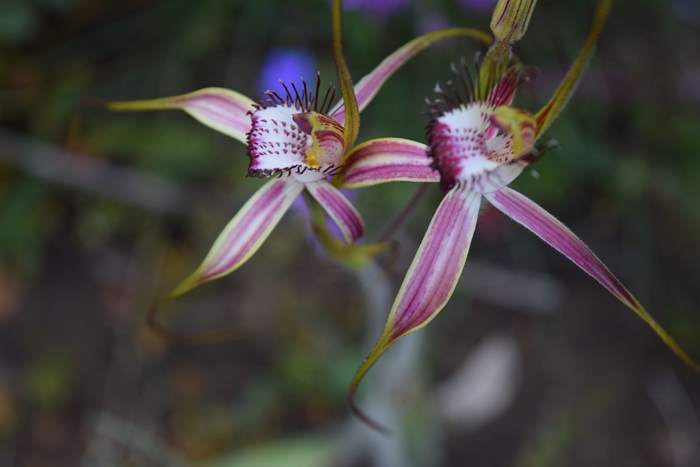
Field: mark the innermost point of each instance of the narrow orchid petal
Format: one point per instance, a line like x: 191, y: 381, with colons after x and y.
x: 352, y: 123
x: 221, y: 109
x: 356, y: 256
x: 531, y: 216
x: 388, y: 160
x: 433, y: 275
x: 369, y: 86
x: 546, y: 116
x: 244, y: 234
x: 343, y: 213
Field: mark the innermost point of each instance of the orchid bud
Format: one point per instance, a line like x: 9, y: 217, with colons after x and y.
x: 511, y: 18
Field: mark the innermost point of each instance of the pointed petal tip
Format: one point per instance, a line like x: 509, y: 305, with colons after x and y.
x: 380, y: 347
x: 549, y: 229
x: 244, y: 234
x: 222, y: 109
x: 432, y: 276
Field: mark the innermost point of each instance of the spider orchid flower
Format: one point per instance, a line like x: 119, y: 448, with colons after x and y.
x: 297, y: 140
x: 478, y: 144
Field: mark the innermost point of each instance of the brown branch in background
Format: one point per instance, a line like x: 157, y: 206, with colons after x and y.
x: 127, y: 185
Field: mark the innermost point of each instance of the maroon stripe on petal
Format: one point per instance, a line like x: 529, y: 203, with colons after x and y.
x: 339, y: 209
x: 528, y: 214
x: 264, y: 211
x: 244, y: 234
x: 386, y: 160
x: 558, y: 236
x: 400, y: 148
x: 394, y: 172
x: 437, y: 265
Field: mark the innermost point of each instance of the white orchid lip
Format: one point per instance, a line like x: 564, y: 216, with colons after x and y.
x: 292, y: 137
x: 468, y: 143
x: 469, y: 149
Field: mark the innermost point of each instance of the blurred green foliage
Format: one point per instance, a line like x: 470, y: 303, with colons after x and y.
x: 626, y: 176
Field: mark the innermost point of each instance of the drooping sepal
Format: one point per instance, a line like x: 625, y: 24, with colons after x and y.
x: 244, y: 234
x: 546, y: 116
x: 356, y: 256
x: 432, y: 276
x: 368, y: 87
x: 534, y: 218
x: 387, y: 160
x: 339, y: 208
x: 221, y: 109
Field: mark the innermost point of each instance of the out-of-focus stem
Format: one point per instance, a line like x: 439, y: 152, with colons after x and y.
x: 393, y: 226
x: 397, y: 371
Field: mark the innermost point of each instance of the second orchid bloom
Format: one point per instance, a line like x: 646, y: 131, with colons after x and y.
x: 478, y: 143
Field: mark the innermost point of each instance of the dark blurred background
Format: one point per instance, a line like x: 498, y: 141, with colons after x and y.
x: 531, y: 364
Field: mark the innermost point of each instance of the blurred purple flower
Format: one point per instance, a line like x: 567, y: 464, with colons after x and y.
x: 432, y: 22
x: 478, y: 5
x: 287, y: 65
x: 381, y: 8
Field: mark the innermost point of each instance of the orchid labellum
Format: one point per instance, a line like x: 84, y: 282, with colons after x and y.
x: 297, y: 140
x: 478, y: 143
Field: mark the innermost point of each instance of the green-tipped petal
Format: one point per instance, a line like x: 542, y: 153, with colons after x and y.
x: 352, y: 111
x: 221, y: 109
x: 531, y: 216
x: 244, y: 234
x: 549, y: 112
x: 431, y: 278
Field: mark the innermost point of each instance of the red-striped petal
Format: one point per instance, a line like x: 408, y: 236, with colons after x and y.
x: 343, y: 213
x: 388, y: 160
x: 221, y: 109
x: 369, y: 86
x: 531, y: 216
x: 245, y: 233
x: 433, y: 275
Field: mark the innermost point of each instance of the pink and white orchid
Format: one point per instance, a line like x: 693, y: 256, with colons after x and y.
x: 297, y: 140
x: 478, y: 143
